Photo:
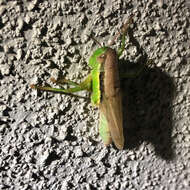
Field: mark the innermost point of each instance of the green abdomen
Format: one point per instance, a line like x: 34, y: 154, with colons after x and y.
x: 104, y: 130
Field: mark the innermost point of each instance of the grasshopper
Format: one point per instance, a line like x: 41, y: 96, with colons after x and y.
x: 104, y: 84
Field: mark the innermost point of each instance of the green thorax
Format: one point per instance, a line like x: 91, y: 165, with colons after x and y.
x: 95, y: 72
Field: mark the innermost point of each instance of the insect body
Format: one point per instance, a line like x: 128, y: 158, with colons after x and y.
x: 104, y: 84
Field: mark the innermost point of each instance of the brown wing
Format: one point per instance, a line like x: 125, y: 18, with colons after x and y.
x: 112, y: 98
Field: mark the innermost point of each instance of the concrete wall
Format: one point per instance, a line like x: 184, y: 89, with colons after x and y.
x: 51, y: 141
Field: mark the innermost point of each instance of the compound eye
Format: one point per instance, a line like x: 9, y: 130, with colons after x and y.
x: 102, y: 56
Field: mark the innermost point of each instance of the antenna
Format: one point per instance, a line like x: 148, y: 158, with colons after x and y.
x: 96, y: 41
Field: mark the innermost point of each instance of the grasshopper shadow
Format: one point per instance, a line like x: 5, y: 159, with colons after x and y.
x: 147, y: 111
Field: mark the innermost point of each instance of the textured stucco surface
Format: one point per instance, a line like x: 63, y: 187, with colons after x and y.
x: 51, y: 141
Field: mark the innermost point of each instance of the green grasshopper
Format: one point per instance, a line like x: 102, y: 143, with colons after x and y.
x: 104, y: 84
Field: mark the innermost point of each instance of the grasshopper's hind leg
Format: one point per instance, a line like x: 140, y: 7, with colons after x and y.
x: 85, y: 85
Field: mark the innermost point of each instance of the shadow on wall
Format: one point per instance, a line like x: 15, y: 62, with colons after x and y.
x: 147, y: 109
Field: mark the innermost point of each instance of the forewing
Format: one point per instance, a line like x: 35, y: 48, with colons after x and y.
x: 112, y: 109
x: 112, y: 98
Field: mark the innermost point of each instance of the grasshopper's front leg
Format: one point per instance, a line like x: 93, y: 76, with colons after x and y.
x: 123, y: 34
x: 85, y: 85
x: 123, y: 39
x: 135, y: 72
